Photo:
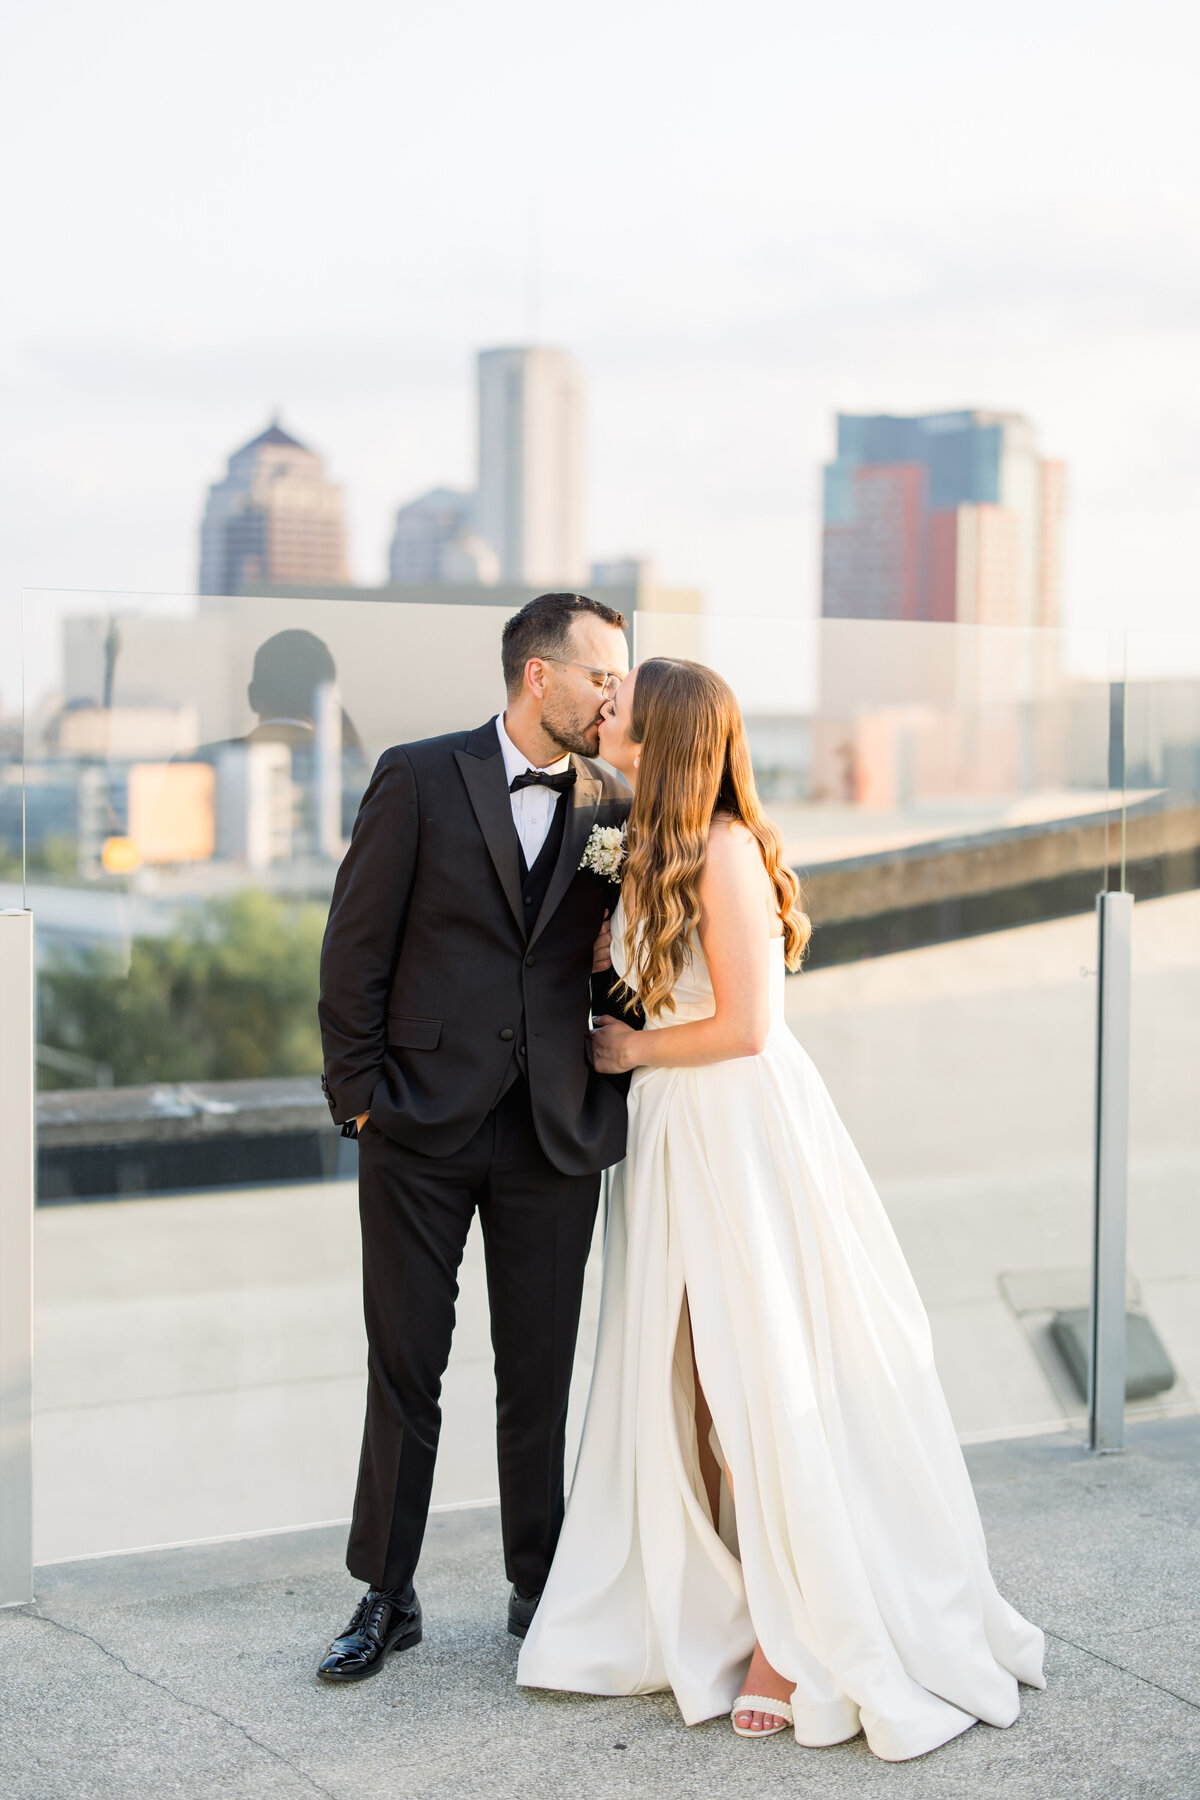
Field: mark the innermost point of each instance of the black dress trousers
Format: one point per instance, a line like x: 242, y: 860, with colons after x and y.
x: 537, y: 1229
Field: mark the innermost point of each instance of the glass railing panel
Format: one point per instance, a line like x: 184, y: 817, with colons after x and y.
x: 192, y: 774
x: 945, y: 793
x: 11, y: 762
x: 1162, y: 753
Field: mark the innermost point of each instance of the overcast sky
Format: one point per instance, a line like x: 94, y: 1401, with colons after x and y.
x: 750, y: 216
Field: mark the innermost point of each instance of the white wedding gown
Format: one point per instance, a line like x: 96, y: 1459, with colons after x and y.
x: 855, y: 1547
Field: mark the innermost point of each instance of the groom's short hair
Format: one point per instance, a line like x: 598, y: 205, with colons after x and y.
x: 543, y: 628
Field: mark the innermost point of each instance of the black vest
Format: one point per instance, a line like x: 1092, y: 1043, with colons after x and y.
x: 535, y: 881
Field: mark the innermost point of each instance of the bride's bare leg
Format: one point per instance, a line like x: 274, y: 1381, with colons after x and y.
x: 710, y: 1468
x: 761, y: 1677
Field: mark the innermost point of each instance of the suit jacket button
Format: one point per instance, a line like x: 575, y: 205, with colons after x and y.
x: 507, y: 1035
x: 529, y: 962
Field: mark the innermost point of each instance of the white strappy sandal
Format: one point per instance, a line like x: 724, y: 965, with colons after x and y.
x: 780, y: 1709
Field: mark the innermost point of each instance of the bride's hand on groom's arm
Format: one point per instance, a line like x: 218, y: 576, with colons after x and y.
x: 613, y: 1047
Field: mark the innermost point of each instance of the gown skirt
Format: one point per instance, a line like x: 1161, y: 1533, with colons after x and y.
x: 851, y: 1539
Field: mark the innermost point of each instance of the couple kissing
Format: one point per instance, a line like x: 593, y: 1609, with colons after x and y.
x: 539, y: 965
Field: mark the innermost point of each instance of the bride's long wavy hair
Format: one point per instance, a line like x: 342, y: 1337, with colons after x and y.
x: 694, y: 762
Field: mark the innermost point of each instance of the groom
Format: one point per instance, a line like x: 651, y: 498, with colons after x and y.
x: 454, y: 1013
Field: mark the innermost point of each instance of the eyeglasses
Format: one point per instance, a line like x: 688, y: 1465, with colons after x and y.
x: 603, y: 679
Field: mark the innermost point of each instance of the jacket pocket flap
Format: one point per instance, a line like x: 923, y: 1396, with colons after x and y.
x: 413, y: 1034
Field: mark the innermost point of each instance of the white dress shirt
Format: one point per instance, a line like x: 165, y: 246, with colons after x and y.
x: 532, y: 807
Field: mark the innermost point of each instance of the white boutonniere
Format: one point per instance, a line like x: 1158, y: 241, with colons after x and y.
x: 605, y: 851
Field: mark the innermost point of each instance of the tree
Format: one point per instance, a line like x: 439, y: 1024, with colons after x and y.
x: 232, y: 995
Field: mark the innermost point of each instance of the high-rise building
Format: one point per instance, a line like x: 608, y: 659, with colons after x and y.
x: 623, y: 571
x: 530, y: 503
x: 434, y: 542
x: 947, y: 516
x: 275, y: 519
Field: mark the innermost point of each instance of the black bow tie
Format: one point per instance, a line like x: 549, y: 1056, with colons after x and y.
x: 539, y: 778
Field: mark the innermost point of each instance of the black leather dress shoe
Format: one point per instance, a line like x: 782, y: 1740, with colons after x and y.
x: 381, y: 1623
x: 521, y: 1608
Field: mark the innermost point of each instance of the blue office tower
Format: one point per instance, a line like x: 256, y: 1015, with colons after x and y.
x: 949, y: 516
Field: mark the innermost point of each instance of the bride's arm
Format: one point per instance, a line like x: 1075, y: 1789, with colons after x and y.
x: 733, y: 929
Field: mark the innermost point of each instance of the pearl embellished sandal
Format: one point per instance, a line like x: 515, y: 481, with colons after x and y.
x: 780, y: 1709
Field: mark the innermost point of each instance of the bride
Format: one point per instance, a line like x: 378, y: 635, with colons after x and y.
x: 770, y: 1509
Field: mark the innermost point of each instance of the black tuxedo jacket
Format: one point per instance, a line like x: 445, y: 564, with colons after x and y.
x: 434, y: 989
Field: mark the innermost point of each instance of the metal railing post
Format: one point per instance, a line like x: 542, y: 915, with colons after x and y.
x: 1106, y: 1363
x: 16, y: 1258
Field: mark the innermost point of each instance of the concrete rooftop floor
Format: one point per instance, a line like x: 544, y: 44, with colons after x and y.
x: 189, y: 1672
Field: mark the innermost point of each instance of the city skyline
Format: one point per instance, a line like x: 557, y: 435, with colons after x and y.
x: 727, y: 291
x: 276, y: 516
x: 944, y: 517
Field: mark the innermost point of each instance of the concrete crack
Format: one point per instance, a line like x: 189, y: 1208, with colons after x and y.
x: 197, y: 1706
x: 1113, y: 1664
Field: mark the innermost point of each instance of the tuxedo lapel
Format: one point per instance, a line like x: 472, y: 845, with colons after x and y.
x: 583, y: 800
x: 482, y: 768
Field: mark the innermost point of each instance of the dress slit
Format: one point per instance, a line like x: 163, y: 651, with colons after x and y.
x: 686, y: 1365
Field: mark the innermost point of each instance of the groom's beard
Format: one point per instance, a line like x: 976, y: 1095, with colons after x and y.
x: 571, y: 730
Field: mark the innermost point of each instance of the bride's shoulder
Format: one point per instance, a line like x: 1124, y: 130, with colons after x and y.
x: 729, y: 838
x: 733, y: 860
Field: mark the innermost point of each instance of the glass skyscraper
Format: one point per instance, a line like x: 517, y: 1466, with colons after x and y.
x: 947, y: 516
